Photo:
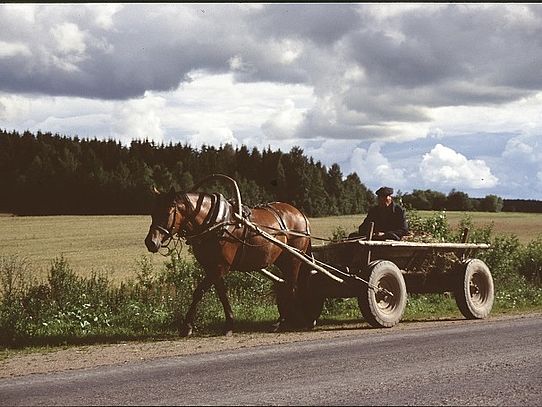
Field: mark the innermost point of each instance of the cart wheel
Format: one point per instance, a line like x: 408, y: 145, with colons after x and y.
x: 380, y: 309
x: 475, y: 293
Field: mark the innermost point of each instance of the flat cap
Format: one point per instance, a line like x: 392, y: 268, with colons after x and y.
x: 384, y: 191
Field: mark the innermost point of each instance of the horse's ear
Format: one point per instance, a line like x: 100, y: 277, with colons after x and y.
x: 156, y: 192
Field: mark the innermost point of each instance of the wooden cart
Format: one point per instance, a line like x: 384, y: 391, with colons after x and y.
x: 380, y: 273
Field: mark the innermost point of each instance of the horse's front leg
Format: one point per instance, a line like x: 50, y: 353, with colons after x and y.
x: 221, y: 291
x: 202, y: 287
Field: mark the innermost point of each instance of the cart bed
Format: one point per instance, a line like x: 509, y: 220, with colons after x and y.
x: 426, y: 267
x: 356, y: 254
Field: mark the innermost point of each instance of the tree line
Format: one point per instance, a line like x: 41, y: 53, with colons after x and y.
x: 460, y: 201
x: 50, y: 174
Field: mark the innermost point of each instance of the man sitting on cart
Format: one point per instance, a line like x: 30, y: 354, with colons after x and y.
x: 388, y: 217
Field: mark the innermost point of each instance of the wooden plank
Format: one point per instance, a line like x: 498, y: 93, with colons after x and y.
x: 410, y: 245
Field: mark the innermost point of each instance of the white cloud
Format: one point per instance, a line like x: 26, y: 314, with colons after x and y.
x: 69, y: 38
x: 238, y: 65
x: 104, y: 13
x: 215, y: 104
x: 375, y: 169
x: 284, y: 122
x: 21, y: 12
x: 13, y: 108
x: 11, y: 49
x: 289, y: 50
x: 329, y: 151
x: 516, y: 147
x: 443, y: 166
x: 212, y: 137
x: 139, y: 119
x: 523, y: 115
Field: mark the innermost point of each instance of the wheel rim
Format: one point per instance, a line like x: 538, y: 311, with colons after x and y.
x: 478, y: 289
x: 386, y: 303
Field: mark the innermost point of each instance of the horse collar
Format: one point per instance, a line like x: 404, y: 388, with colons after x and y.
x: 190, y: 209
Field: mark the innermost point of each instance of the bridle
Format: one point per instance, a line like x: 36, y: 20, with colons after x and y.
x: 169, y: 230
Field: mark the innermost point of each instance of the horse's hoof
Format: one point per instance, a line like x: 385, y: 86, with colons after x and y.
x: 228, y: 327
x: 186, y: 330
x: 311, y: 324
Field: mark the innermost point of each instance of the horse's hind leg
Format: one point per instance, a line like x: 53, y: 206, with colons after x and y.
x: 283, y: 293
x: 202, y: 287
x: 288, y: 295
x: 220, y: 287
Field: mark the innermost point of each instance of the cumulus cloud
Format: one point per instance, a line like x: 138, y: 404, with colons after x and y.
x: 283, y: 122
x: 329, y: 151
x: 517, y: 148
x: 372, y: 165
x: 212, y: 136
x: 443, y: 166
x: 139, y: 119
x: 520, y: 164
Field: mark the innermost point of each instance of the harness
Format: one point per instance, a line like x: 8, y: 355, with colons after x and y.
x: 276, y: 214
x: 219, y: 218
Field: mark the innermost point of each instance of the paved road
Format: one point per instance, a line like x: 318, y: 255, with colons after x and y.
x: 472, y: 363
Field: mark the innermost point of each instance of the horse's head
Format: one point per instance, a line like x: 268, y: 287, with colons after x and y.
x: 185, y: 215
x: 166, y: 220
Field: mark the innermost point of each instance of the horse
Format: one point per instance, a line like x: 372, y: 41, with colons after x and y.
x: 221, y: 243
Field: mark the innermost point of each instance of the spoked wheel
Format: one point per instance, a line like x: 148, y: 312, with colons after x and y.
x: 475, y: 293
x: 383, y: 301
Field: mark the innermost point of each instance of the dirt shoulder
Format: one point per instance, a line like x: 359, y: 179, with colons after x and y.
x: 22, y: 363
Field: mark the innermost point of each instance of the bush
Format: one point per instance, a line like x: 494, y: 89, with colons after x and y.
x: 476, y: 234
x: 432, y: 228
x: 529, y: 263
x: 338, y: 234
x: 511, y: 265
x: 502, y: 259
x: 15, y: 278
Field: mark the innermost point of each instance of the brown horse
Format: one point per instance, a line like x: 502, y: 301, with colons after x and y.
x: 221, y: 243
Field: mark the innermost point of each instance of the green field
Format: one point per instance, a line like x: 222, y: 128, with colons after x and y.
x: 114, y: 244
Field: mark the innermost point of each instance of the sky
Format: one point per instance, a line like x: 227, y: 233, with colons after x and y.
x: 413, y: 96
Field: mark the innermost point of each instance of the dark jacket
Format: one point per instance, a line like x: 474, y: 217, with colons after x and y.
x: 391, y: 220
